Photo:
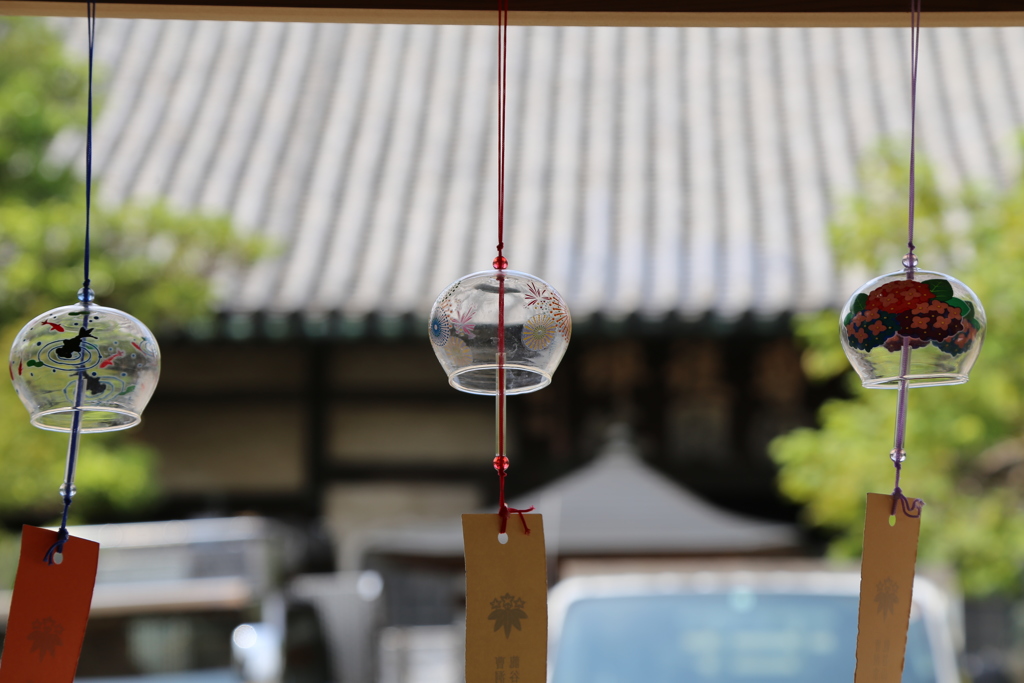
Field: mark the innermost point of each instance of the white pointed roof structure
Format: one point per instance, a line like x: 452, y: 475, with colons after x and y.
x: 616, y: 505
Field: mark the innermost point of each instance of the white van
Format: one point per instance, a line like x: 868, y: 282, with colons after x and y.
x: 757, y: 624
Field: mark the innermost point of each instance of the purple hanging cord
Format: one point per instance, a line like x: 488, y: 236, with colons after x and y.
x: 67, y: 489
x: 910, y: 261
x: 911, y: 508
x: 91, y: 14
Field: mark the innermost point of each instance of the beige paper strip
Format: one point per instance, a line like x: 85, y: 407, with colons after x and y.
x: 886, y: 589
x: 506, y: 601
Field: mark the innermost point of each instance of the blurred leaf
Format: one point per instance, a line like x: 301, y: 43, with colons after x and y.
x: 42, y: 92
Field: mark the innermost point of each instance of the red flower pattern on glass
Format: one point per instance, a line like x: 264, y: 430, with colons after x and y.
x: 909, y: 310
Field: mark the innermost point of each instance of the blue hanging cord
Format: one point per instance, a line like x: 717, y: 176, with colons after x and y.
x: 62, y: 537
x: 91, y: 9
x: 67, y: 490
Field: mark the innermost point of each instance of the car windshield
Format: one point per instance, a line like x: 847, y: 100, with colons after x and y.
x: 738, y: 637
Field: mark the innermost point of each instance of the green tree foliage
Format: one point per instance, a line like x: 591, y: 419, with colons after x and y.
x: 41, y: 93
x: 147, y: 260
x: 965, y: 444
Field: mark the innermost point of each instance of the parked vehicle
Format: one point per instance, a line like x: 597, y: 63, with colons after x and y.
x: 214, y: 601
x: 750, y: 625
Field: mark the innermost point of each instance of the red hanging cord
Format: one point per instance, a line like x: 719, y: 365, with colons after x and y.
x: 500, y: 264
x: 504, y: 511
x: 499, y: 261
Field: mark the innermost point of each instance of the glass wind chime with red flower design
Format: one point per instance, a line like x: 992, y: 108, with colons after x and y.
x: 908, y: 329
x: 78, y: 369
x: 500, y: 332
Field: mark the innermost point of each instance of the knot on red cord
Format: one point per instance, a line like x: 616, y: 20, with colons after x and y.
x: 504, y: 511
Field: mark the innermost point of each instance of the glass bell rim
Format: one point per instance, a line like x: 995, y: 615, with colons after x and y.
x: 545, y: 379
x: 933, y: 379
x: 135, y: 419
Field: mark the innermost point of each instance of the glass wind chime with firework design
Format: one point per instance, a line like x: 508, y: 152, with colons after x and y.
x: 500, y: 332
x: 909, y: 329
x: 78, y: 369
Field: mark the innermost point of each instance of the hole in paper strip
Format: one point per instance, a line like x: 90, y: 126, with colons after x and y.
x: 503, y: 538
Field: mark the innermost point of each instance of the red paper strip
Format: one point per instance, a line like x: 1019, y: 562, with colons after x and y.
x: 49, y: 609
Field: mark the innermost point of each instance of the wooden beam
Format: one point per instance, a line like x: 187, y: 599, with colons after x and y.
x: 774, y: 13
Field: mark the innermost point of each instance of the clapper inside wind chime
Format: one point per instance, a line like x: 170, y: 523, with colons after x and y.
x: 500, y: 332
x: 909, y: 329
x: 78, y: 369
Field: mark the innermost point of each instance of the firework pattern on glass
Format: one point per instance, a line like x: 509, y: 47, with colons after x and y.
x: 921, y: 312
x: 454, y: 317
x: 459, y: 352
x: 543, y: 300
x: 440, y: 328
x: 462, y: 320
x: 539, y: 331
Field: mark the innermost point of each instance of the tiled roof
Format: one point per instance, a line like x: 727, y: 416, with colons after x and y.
x: 661, y: 173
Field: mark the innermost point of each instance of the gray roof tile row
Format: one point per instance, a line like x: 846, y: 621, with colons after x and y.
x: 652, y: 172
